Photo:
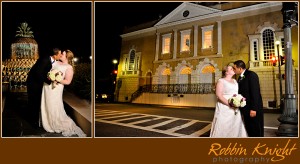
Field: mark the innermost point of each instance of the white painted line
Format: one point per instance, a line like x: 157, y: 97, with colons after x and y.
x: 142, y: 121
x: 105, y: 118
x: 162, y: 123
x: 182, y: 126
x: 201, y: 131
x: 268, y: 127
x: 106, y: 111
x: 109, y: 114
x: 119, y: 120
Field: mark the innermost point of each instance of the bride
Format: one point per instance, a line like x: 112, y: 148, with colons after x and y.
x: 53, y: 115
x: 226, y: 122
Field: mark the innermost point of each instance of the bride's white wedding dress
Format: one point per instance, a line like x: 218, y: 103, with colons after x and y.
x: 53, y: 115
x: 225, y: 122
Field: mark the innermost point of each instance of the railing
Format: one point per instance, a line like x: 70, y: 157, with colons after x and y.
x: 266, y: 63
x: 136, y: 94
x: 196, y: 88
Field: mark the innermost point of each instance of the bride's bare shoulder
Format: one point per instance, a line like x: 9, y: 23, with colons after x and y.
x: 69, y: 66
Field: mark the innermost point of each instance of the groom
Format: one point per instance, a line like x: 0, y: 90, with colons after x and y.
x: 35, y: 80
x: 249, y: 88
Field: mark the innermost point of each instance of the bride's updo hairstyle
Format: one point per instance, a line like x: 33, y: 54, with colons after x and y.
x: 224, y: 70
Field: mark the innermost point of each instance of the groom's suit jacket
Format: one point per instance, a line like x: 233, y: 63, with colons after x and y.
x: 38, y: 73
x: 249, y: 88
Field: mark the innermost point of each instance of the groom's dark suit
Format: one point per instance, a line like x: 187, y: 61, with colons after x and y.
x: 35, y: 80
x: 250, y: 89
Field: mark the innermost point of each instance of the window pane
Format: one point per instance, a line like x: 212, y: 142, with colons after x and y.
x: 166, y: 46
x: 255, y: 49
x: 186, y: 43
x: 268, y: 43
x: 131, y: 60
x: 207, y: 39
x: 282, y: 46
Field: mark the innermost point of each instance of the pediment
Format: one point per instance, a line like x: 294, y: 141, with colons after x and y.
x: 186, y: 11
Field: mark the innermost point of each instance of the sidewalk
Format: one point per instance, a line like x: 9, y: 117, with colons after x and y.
x: 14, y: 123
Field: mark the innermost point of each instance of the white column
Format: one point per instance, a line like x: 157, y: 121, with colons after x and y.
x: 219, y: 37
x: 157, y: 46
x: 175, y: 44
x: 195, y: 40
x: 261, y: 52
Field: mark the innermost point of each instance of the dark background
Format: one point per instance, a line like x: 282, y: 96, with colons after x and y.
x: 111, y: 18
x: 54, y: 24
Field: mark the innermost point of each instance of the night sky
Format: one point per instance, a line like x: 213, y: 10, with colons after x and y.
x: 54, y: 24
x: 110, y: 20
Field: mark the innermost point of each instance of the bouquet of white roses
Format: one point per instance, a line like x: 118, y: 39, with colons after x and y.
x: 237, y: 101
x: 55, y: 76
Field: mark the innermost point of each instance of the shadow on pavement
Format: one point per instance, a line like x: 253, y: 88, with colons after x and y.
x: 14, y: 118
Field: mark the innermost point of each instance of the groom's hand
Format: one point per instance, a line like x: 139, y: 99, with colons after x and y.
x: 252, y: 113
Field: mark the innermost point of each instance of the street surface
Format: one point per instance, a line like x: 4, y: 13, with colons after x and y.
x: 141, y: 120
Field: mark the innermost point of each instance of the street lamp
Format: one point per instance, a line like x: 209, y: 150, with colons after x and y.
x: 280, y: 78
x: 115, y: 73
x: 75, y: 59
x: 289, y: 118
x: 115, y: 61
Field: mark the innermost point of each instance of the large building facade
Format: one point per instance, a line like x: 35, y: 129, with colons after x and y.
x: 178, y: 59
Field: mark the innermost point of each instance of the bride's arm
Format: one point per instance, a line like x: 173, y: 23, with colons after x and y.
x: 219, y: 93
x: 68, y: 77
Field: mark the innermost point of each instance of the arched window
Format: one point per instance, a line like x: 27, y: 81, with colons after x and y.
x: 131, y: 60
x: 268, y: 44
x: 165, y: 76
x: 185, y: 76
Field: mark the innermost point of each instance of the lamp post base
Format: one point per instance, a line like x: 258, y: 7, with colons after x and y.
x: 287, y: 130
x: 289, y: 118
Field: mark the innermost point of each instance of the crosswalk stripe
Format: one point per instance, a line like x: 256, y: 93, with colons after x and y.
x: 125, y: 119
x: 108, y: 111
x: 268, y: 127
x: 201, y: 131
x: 162, y: 123
x: 125, y: 115
x: 142, y: 121
x: 109, y: 114
x: 182, y: 126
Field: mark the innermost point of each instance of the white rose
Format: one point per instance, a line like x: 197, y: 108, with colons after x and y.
x: 243, y: 103
x: 58, y: 78
x: 236, y: 102
x: 51, y: 76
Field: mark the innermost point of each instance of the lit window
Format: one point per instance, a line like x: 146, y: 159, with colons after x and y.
x: 186, y: 71
x: 166, y: 43
x: 167, y: 71
x: 131, y: 60
x: 208, y: 69
x: 185, y: 40
x: 207, y: 37
x: 268, y: 44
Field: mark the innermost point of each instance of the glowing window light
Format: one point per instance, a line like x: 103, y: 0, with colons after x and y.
x: 186, y: 71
